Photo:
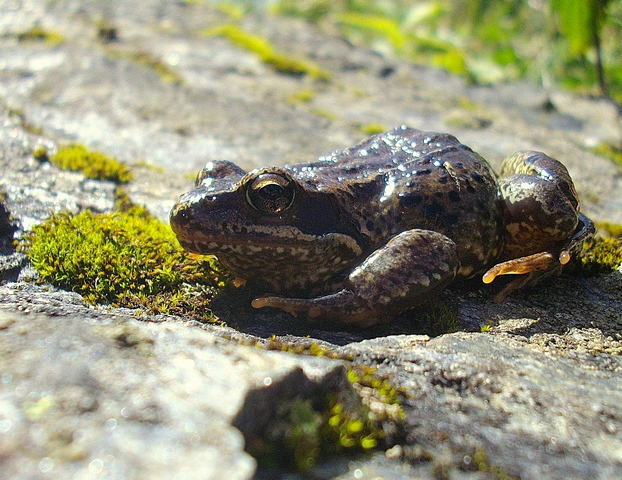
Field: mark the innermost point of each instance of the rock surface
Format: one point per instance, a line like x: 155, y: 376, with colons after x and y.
x: 112, y: 393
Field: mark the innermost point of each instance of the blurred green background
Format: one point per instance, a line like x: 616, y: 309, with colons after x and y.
x: 575, y: 44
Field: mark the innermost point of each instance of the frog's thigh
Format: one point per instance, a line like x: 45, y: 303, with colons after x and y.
x: 406, y: 270
x: 403, y: 273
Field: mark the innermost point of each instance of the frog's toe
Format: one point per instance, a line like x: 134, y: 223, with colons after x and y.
x: 522, y: 281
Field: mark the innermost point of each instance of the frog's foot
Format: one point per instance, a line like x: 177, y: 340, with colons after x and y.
x: 406, y: 271
x: 539, y: 266
x: 533, y: 269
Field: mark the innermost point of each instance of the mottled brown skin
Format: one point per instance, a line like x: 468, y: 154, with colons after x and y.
x: 366, y: 233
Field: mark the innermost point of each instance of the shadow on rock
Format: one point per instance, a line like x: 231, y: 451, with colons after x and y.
x: 233, y: 306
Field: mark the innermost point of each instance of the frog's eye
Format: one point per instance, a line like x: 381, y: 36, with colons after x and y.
x: 200, y: 177
x: 271, y: 193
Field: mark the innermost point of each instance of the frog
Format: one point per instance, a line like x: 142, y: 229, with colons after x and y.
x: 361, y: 235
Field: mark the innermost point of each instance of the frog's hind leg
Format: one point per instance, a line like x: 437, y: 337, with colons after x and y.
x: 410, y: 268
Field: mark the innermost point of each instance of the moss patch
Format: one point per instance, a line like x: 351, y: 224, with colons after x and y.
x: 373, y: 128
x: 611, y: 151
x: 23, y: 121
x: 325, y: 114
x: 152, y: 167
x: 609, y: 229
x: 91, y: 163
x: 266, y: 52
x: 600, y: 255
x: 363, y: 413
x: 305, y: 430
x: 297, y: 347
x: 166, y: 73
x: 374, y: 387
x: 128, y: 259
x: 301, y: 96
x: 481, y: 463
x: 39, y: 34
x: 435, y: 319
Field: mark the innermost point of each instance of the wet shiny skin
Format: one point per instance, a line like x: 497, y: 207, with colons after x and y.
x: 365, y: 233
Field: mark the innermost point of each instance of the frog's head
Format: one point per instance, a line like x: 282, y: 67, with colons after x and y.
x: 266, y: 218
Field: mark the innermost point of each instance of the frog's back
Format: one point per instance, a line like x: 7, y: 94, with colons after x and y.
x: 406, y: 179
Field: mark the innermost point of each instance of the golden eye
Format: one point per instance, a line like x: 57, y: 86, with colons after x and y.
x: 271, y: 193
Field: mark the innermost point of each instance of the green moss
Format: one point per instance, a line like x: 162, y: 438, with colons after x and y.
x: 394, y: 34
x: 152, y: 167
x: 364, y: 376
x: 234, y: 10
x: 310, y: 10
x: 466, y: 103
x: 297, y: 433
x: 611, y: 151
x: 482, y: 464
x: 39, y: 34
x: 297, y: 348
x: 348, y: 429
x: 128, y: 259
x: 41, y: 154
x: 303, y: 430
x: 435, y: 319
x: 325, y: 114
x: 376, y: 25
x: 359, y: 428
x: 340, y: 420
x: 123, y: 201
x: 107, y: 32
x: 609, y: 229
x: 301, y: 96
x: 23, y: 122
x: 166, y: 73
x: 373, y: 128
x: 601, y: 255
x: 487, y: 41
x: 266, y: 52
x: 191, y: 176
x: 92, y: 163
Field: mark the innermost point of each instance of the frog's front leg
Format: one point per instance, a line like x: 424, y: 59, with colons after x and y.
x: 544, y: 228
x: 403, y: 273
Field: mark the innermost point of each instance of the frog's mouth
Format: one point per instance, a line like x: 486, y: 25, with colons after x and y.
x: 227, y: 243
x: 284, y: 243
